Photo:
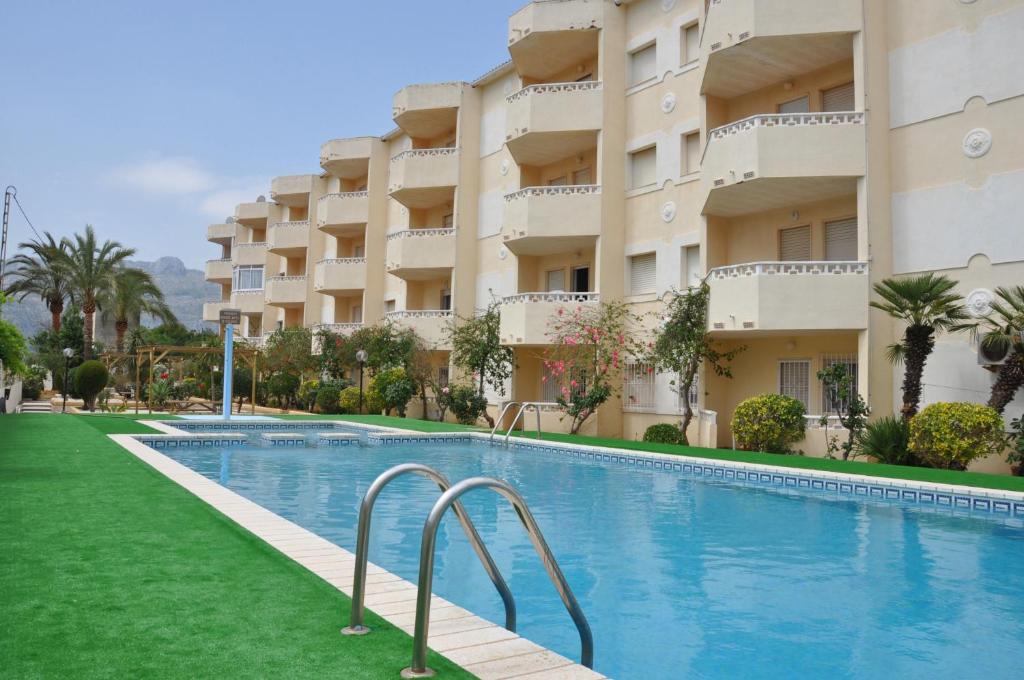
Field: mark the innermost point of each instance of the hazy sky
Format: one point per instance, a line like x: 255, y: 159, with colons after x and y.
x: 150, y: 120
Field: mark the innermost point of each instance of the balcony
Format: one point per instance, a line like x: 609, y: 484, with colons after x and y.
x: 347, y: 158
x: 249, y: 253
x: 344, y: 214
x: 340, y: 276
x: 429, y: 324
x: 288, y: 239
x: 286, y: 291
x: 221, y: 234
x: 252, y: 214
x: 549, y: 220
x: 546, y: 38
x: 211, y: 310
x: 218, y: 271
x: 750, y: 44
x: 249, y: 301
x: 788, y: 296
x: 546, y: 123
x: 424, y: 178
x: 421, y: 254
x: 776, y: 160
x: 427, y: 111
x: 292, y: 190
x: 525, y: 318
x: 344, y: 329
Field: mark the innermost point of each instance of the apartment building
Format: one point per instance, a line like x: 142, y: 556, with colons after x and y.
x: 791, y: 152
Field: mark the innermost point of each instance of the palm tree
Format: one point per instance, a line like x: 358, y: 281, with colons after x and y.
x: 1001, y: 331
x: 40, y: 273
x: 926, y: 305
x: 91, y: 269
x: 133, y: 294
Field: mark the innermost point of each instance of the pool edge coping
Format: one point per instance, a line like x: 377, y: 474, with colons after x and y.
x: 480, y: 647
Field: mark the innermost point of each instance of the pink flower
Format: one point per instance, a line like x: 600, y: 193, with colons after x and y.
x: 561, y: 311
x: 543, y: 378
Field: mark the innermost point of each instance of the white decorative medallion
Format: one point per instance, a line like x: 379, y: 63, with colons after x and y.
x: 667, y: 5
x: 503, y: 168
x: 979, y: 301
x: 502, y: 252
x: 668, y: 103
x: 977, y: 142
x: 668, y: 211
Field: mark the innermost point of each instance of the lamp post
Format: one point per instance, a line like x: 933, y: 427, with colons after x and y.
x: 68, y: 353
x: 361, y: 357
x: 214, y: 370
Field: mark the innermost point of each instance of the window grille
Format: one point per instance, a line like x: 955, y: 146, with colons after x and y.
x: 638, y: 387
x: 830, y: 397
x: 794, y: 380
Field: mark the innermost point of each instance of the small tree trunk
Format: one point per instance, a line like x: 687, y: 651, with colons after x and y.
x: 920, y: 342
x: 1009, y: 379
x: 487, y: 416
x: 684, y: 393
x: 56, y: 310
x: 90, y: 314
x: 120, y: 327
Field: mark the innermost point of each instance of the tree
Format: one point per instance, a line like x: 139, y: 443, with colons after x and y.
x: 683, y: 343
x: 90, y: 268
x: 925, y: 304
x: 850, y: 407
x: 1000, y: 332
x: 40, y: 273
x: 588, y: 348
x: 12, y: 345
x: 134, y: 292
x: 476, y: 348
x: 290, y: 351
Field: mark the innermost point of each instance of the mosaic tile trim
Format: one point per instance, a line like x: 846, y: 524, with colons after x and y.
x: 283, y: 439
x: 338, y: 440
x: 393, y: 438
x: 175, y: 441
x: 251, y: 426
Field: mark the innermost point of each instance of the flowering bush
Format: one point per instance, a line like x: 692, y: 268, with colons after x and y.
x: 951, y: 435
x: 466, y: 404
x: 589, y: 346
x: 770, y: 423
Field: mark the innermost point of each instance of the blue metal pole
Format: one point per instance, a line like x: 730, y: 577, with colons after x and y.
x: 229, y: 350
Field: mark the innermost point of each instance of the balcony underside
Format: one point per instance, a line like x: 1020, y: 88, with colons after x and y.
x: 346, y: 230
x: 288, y: 251
x: 545, y: 54
x: 427, y: 123
x: 420, y: 273
x: 769, y: 193
x: 544, y: 148
x: 347, y: 168
x: 286, y: 303
x: 759, y: 62
x: 521, y: 243
x: 419, y: 198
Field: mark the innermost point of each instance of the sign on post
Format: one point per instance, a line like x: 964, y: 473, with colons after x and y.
x: 230, y: 317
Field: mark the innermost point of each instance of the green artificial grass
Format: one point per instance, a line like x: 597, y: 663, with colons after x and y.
x: 108, y: 569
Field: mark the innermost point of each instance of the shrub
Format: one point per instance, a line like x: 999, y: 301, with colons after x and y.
x: 663, y: 433
x: 1016, y: 456
x: 283, y: 387
x: 770, y: 423
x: 328, y: 398
x: 465, y: 403
x: 90, y: 378
x: 32, y: 383
x: 951, y: 435
x: 888, y: 441
x: 394, y: 389
x: 307, y: 394
x: 350, y: 400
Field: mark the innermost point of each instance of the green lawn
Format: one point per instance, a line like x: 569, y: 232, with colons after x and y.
x: 108, y: 569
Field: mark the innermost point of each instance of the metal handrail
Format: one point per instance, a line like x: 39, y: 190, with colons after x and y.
x: 535, y: 405
x: 356, y: 626
x: 497, y: 423
x: 418, y: 668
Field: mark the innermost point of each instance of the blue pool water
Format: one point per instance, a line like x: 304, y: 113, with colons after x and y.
x: 679, y: 577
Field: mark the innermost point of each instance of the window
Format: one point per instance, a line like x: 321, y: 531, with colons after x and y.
x: 795, y: 244
x: 446, y: 299
x: 581, y: 279
x: 359, y: 251
x: 557, y: 181
x: 643, y: 64
x: 585, y: 78
x: 448, y: 221
x: 357, y: 314
x: 643, y: 167
x: 799, y: 105
x: 691, y: 267
x: 248, y: 277
x: 794, y: 379
x: 841, y: 240
x: 582, y: 176
x: 556, y: 281
x: 642, y: 270
x: 638, y: 387
x: 689, y: 47
x: 690, y: 153
x: 442, y: 376
x: 389, y: 306
x: 839, y: 98
x: 830, y: 397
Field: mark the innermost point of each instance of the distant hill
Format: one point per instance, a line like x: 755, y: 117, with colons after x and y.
x: 184, y: 289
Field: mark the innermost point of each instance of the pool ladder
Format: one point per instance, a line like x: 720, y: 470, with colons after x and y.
x: 450, y: 499
x: 524, y: 406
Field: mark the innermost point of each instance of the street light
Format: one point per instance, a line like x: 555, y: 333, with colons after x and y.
x: 214, y: 370
x: 361, y: 357
x: 68, y: 353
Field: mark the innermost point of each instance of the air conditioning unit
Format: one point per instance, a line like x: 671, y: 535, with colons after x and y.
x: 991, y: 356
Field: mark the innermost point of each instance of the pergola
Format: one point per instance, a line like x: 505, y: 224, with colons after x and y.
x: 157, y: 353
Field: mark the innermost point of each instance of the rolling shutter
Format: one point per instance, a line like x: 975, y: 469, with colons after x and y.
x: 839, y: 98
x: 794, y: 380
x: 642, y: 270
x: 795, y: 244
x: 799, y: 105
x: 841, y: 240
x: 643, y: 64
x: 643, y: 167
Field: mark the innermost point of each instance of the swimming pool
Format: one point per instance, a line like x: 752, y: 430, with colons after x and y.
x: 679, y: 576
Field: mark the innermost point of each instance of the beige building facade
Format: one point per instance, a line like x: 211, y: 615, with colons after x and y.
x: 790, y: 152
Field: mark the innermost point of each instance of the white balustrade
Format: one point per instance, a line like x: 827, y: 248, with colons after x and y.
x: 425, y: 153
x: 562, y: 297
x: 419, y: 233
x: 565, y: 190
x: 787, y: 120
x: 788, y: 269
x: 550, y: 88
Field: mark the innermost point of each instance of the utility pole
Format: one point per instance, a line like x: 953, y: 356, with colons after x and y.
x: 10, y: 192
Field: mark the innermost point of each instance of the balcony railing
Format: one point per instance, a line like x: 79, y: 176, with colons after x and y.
x: 429, y: 324
x: 343, y: 194
x: 425, y: 153
x: 286, y: 290
x: 419, y: 233
x: 340, y: 274
x: 769, y: 120
x: 554, y: 88
x: 339, y: 328
x: 557, y: 297
x: 565, y: 190
x: 787, y: 268
x: 526, y: 317
x: 419, y: 314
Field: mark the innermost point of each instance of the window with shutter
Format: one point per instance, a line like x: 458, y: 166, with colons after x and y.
x: 690, y: 48
x: 357, y: 314
x: 840, y: 98
x: 841, y: 240
x: 799, y: 105
x: 556, y: 281
x: 794, y: 379
x: 557, y: 181
x: 691, y: 153
x: 795, y: 244
x: 638, y: 387
x: 389, y: 306
x: 448, y: 221
x: 643, y: 64
x: 643, y: 167
x: 359, y: 251
x: 642, y: 270
x: 582, y: 177
x: 691, y: 266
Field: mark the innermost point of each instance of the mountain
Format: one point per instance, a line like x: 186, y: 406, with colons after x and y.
x: 184, y: 289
